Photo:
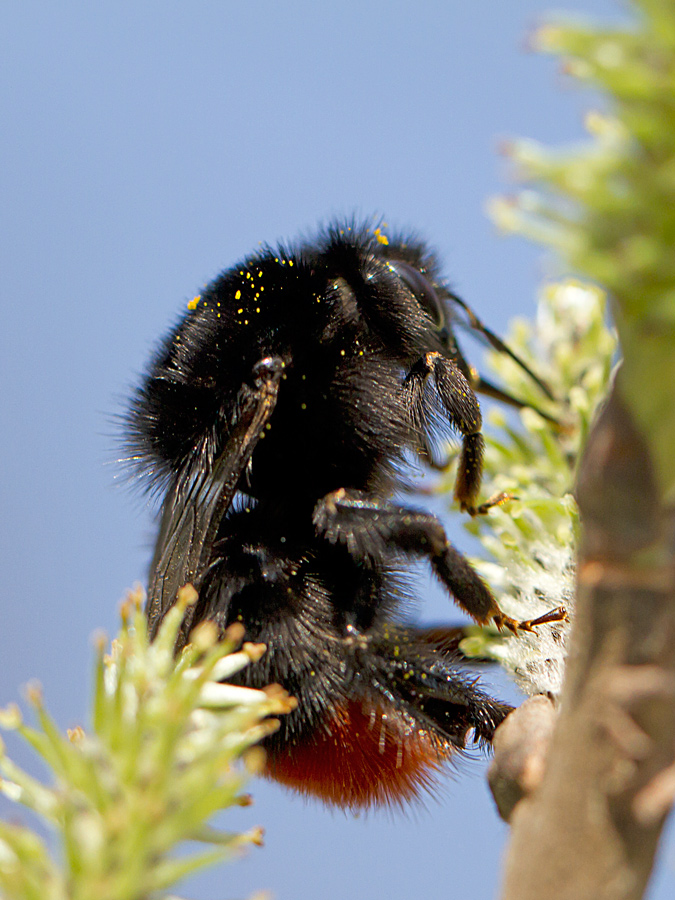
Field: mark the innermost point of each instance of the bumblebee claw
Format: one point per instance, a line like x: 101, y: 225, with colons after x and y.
x: 502, y: 621
x: 484, y: 508
x: 559, y: 614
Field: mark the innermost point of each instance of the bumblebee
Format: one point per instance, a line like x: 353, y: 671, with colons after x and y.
x: 277, y: 420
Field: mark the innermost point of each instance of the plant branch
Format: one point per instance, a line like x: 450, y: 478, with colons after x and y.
x: 592, y: 829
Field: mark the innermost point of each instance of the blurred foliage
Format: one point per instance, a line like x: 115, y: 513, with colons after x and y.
x: 608, y: 207
x: 159, y: 762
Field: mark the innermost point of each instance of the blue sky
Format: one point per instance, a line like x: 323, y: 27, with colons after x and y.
x: 147, y: 146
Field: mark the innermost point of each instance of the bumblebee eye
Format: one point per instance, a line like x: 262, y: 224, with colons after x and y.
x: 422, y: 290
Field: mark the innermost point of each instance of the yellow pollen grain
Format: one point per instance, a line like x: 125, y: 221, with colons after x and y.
x: 193, y: 303
x: 237, y: 296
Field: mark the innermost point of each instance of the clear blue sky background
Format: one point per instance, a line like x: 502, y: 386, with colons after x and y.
x: 146, y: 145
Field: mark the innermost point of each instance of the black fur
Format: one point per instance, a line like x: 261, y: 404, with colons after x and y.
x: 292, y: 392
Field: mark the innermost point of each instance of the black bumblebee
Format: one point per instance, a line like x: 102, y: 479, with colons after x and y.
x: 278, y: 419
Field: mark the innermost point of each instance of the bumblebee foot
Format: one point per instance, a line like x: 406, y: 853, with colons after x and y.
x: 495, y: 500
x: 514, y: 626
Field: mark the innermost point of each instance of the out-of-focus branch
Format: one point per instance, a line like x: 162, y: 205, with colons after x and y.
x: 521, y: 748
x: 608, y: 209
x: 592, y: 829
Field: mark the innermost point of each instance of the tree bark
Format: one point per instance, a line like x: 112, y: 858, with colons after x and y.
x: 590, y: 831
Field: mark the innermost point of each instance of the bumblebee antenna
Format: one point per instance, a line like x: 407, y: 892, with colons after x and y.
x: 498, y: 344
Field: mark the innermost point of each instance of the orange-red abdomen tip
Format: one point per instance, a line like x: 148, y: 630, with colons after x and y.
x: 362, y: 756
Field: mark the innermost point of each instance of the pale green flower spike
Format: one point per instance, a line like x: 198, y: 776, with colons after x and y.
x: 607, y: 209
x: 531, y: 540
x: 159, y: 762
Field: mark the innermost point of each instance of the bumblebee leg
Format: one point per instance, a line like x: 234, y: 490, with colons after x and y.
x: 427, y: 682
x: 197, y: 503
x: 411, y: 709
x: 374, y: 530
x: 461, y: 404
x: 482, y: 385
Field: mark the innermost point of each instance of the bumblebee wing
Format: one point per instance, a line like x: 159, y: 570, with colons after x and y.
x: 195, y: 506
